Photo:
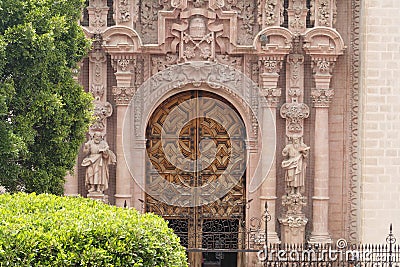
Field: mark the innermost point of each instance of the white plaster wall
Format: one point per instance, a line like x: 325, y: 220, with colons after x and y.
x: 380, y: 122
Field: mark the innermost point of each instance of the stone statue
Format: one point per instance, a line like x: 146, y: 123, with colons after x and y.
x: 96, y: 163
x: 295, y: 165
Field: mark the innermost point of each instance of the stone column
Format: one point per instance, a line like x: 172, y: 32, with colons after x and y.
x: 321, y: 97
x: 324, y: 45
x: 270, y: 68
x: 123, y: 93
x: 71, y: 182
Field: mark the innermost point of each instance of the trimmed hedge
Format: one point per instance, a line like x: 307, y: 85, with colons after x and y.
x: 46, y: 230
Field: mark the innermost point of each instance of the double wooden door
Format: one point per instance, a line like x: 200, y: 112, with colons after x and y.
x: 196, y: 160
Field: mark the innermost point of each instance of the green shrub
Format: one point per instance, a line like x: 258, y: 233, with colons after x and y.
x: 46, y: 230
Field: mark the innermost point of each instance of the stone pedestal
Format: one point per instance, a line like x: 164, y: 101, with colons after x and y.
x: 293, y: 229
x: 294, y: 221
x: 97, y: 196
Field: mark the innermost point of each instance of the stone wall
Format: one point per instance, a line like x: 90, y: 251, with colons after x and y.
x: 380, y: 143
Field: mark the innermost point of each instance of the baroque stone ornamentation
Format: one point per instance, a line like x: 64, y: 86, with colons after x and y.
x: 322, y: 97
x: 323, y: 66
x: 273, y: 96
x: 102, y: 110
x: 296, y: 61
x: 294, y: 113
x: 294, y: 204
x: 323, y: 12
x: 123, y: 95
x: 160, y: 63
x: 124, y: 11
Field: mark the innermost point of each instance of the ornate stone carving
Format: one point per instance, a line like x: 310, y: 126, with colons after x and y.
x: 96, y: 163
x: 324, y: 13
x: 297, y: 13
x: 123, y: 95
x: 322, y: 97
x: 123, y: 64
x: 273, y: 96
x: 102, y: 110
x: 354, y: 163
x: 216, y: 4
x: 160, y: 63
x: 322, y: 66
x: 148, y: 19
x: 181, y: 4
x: 294, y: 164
x: 246, y: 15
x: 296, y: 61
x: 273, y: 13
x: 97, y: 10
x: 294, y: 204
x: 271, y: 65
x: 294, y: 113
x: 234, y: 61
x: 97, y: 91
x: 124, y: 11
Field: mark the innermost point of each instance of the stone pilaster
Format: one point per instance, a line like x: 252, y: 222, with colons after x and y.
x: 324, y: 45
x: 124, y: 66
x: 321, y: 98
x: 98, y: 11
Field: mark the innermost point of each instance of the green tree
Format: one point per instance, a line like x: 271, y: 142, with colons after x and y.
x: 44, y: 113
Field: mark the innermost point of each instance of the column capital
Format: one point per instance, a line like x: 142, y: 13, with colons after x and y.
x: 123, y: 95
x: 270, y: 65
x: 272, y: 95
x: 322, y: 66
x: 322, y: 98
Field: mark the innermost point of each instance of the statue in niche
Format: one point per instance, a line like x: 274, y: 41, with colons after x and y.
x: 294, y: 164
x: 96, y: 163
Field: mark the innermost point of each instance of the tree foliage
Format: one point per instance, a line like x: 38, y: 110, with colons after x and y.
x: 44, y: 113
x: 46, y: 230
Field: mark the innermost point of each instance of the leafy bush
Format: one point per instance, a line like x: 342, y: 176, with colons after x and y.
x: 46, y: 230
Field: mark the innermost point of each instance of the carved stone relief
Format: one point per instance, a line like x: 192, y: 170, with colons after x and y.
x: 102, y: 109
x: 124, y: 11
x: 247, y: 18
x: 97, y: 10
x: 294, y: 113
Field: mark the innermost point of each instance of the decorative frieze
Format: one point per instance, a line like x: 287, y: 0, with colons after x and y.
x: 322, y: 97
x: 297, y: 14
x: 273, y: 96
x: 123, y: 95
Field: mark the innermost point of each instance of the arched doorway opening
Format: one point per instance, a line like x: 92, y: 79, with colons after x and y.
x: 206, y: 156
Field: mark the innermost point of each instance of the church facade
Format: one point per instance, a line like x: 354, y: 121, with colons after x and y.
x: 220, y: 110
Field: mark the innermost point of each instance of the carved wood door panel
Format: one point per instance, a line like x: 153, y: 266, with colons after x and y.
x: 211, y: 141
